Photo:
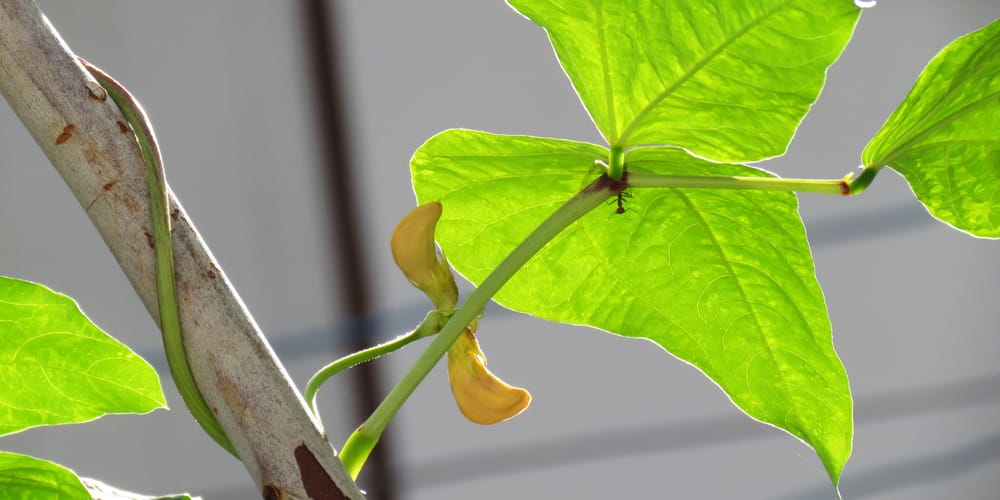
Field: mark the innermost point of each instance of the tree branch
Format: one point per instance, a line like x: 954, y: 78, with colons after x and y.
x: 83, y: 135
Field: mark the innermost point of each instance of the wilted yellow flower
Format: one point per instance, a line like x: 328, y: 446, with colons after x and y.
x: 416, y: 255
x: 481, y: 396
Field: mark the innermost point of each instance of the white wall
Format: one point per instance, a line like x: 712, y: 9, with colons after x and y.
x: 911, y: 300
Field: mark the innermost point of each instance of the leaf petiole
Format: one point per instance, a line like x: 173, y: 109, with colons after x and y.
x: 847, y: 186
x: 616, y: 165
x: 863, y: 180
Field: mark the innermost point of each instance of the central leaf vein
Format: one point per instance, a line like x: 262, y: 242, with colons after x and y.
x: 606, y: 69
x: 694, y: 70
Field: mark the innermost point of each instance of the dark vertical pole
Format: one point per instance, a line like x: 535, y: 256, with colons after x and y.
x: 333, y: 136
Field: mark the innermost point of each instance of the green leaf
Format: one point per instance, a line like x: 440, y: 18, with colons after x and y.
x: 27, y: 478
x: 544, y: 173
x: 944, y: 139
x: 57, y: 367
x: 722, y: 279
x: 728, y: 79
x: 102, y: 491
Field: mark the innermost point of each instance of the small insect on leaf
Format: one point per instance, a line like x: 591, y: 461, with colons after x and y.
x: 622, y: 196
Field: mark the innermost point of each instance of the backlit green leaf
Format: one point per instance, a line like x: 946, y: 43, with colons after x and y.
x: 28, y: 478
x: 722, y: 279
x: 102, y: 491
x: 57, y: 367
x: 726, y: 79
x: 945, y: 139
x: 543, y: 172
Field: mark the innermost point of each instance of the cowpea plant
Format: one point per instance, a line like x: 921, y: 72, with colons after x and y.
x: 703, y: 254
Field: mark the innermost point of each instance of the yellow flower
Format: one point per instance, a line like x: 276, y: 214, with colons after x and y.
x: 481, y: 396
x: 416, y: 255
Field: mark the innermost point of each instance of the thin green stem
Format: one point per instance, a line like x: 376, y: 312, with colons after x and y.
x: 360, y: 444
x: 847, y: 186
x: 431, y: 324
x: 167, y: 299
x: 644, y: 179
x: 616, y: 163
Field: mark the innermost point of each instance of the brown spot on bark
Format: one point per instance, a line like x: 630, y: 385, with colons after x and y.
x: 236, y: 401
x: 272, y: 492
x: 130, y: 203
x: 175, y: 213
x: 109, y: 185
x: 211, y: 274
x: 122, y: 127
x: 317, y: 482
x: 149, y: 239
x: 66, y: 134
x: 96, y: 91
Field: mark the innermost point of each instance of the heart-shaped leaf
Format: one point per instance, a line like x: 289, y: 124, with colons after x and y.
x: 944, y: 138
x: 57, y: 367
x: 727, y: 79
x: 722, y: 279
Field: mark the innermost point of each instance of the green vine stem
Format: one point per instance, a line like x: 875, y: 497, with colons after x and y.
x: 170, y: 324
x: 360, y: 444
x: 431, y: 324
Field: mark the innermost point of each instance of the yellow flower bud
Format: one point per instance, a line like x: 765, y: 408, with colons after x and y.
x: 416, y: 255
x: 481, y: 396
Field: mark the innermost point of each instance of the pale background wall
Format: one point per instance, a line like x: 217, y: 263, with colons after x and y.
x: 912, y: 301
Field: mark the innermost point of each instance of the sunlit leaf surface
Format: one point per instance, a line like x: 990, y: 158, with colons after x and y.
x: 727, y: 79
x: 28, y: 478
x: 57, y: 367
x: 945, y: 136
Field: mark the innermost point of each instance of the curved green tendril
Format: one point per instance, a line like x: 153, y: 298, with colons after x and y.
x: 431, y: 324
